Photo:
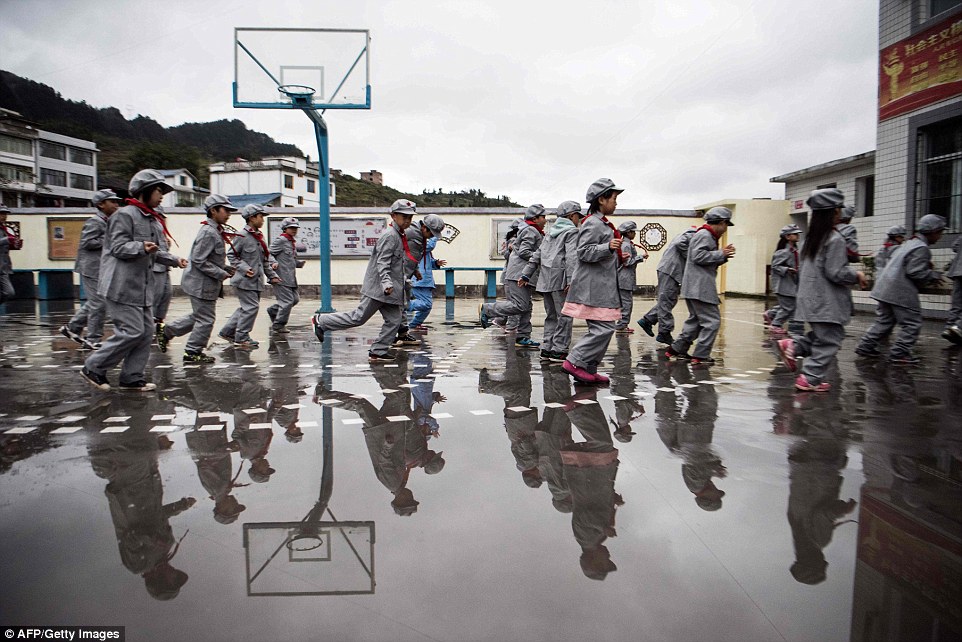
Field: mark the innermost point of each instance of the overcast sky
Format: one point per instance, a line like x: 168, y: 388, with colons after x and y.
x: 681, y: 102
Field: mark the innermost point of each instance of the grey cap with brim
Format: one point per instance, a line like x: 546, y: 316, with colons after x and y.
x: 218, y: 200
x: 848, y: 213
x: 290, y: 221
x: 252, y: 210
x: 718, y: 214
x: 404, y: 206
x: 569, y: 208
x: 434, y: 223
x: 147, y: 178
x: 826, y: 199
x: 930, y: 223
x: 105, y: 195
x: 534, y: 211
x: 599, y: 187
x: 627, y: 226
x: 4, y: 209
x: 789, y: 229
x: 897, y: 230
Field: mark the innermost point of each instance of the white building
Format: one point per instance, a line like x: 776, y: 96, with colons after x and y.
x: 186, y: 192
x: 286, y: 181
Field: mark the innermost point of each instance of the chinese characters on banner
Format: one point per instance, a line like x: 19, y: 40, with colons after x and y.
x: 921, y: 70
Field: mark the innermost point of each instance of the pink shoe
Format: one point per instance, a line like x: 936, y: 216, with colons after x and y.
x: 801, y: 383
x: 600, y: 378
x: 786, y: 348
x: 579, y: 374
x: 777, y: 330
x: 767, y: 318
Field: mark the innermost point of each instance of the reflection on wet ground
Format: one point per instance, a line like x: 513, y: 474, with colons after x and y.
x: 469, y: 491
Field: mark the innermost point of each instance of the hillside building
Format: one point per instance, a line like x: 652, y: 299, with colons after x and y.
x: 373, y: 176
x: 186, y: 191
x: 286, y: 181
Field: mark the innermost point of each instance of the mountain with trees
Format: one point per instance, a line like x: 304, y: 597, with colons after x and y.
x: 127, y: 145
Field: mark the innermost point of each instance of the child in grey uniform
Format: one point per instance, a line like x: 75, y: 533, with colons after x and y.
x: 953, y: 331
x: 555, y: 262
x: 849, y: 233
x: 699, y: 290
x: 383, y: 287
x: 91, y: 313
x: 627, y: 278
x: 823, y: 298
x: 896, y: 236
x: 518, y: 291
x: 785, y: 274
x: 8, y: 241
x: 163, y: 290
x: 593, y: 293
x: 251, y: 261
x: 126, y: 282
x: 284, y: 249
x: 671, y: 272
x: 203, y: 282
x: 897, y: 292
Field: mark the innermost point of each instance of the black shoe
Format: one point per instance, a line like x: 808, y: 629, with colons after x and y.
x: 375, y: 358
x: 197, y: 357
x: 95, y: 380
x: 645, y: 325
x: 546, y: 355
x: 318, y: 331
x: 869, y: 354
x: 407, y: 340
x: 905, y: 360
x: 664, y: 337
x: 671, y: 354
x: 272, y: 313
x: 70, y: 334
x: 138, y: 386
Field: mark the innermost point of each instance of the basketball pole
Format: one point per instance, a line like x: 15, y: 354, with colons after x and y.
x: 324, y: 207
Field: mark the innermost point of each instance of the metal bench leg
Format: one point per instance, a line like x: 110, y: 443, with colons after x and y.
x: 449, y: 284
x: 491, y: 276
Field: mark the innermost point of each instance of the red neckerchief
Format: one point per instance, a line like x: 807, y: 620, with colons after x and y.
x: 13, y: 239
x: 794, y: 250
x: 540, y: 231
x: 157, y: 216
x: 621, y: 257
x: 224, y: 235
x: 889, y: 244
x: 291, y: 239
x: 260, y: 239
x: 712, y: 232
x: 404, y: 242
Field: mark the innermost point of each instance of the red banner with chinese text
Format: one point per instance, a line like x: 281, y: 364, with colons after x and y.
x: 921, y: 70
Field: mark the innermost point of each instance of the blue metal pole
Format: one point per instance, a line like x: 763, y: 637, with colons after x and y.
x: 324, y: 194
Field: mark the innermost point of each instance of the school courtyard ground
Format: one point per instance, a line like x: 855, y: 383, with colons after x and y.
x: 470, y: 492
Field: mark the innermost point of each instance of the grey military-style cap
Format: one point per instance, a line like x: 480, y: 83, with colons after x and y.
x: 290, y: 221
x: 897, y: 230
x: 627, y: 226
x: 516, y: 223
x: 930, y: 223
x: 215, y: 200
x: 105, y: 195
x: 252, y: 210
x: 599, y: 187
x: 534, y: 211
x: 404, y: 206
x: 848, y: 213
x: 789, y: 229
x: 826, y: 199
x: 148, y: 178
x: 4, y: 209
x: 717, y: 214
x: 569, y: 208
x: 434, y: 223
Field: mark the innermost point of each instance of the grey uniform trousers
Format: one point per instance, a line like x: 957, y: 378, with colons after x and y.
x: 390, y: 312
x: 162, y: 294
x: 886, y: 316
x: 590, y: 349
x: 660, y: 314
x: 819, y: 346
x: 91, y: 314
x: 240, y: 324
x: 130, y: 343
x: 955, y: 312
x: 557, y: 326
x: 703, y: 323
x: 518, y: 303
x: 200, y: 324
x: 6, y: 288
x: 783, y: 314
x: 627, y: 302
x: 287, y: 298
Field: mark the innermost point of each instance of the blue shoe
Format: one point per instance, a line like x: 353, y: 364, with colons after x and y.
x: 646, y: 326
x: 483, y: 318
x: 525, y: 342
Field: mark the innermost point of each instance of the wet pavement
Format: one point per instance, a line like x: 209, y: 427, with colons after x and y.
x: 470, y: 492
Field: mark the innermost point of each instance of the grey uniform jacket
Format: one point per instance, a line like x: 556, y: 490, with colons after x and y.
x: 594, y: 281
x: 91, y: 246
x: 526, y: 243
x: 883, y: 255
x: 850, y: 234
x: 205, y: 275
x: 627, y: 277
x: 126, y: 269
x: 906, y: 271
x: 386, y: 269
x: 701, y: 268
x: 554, y: 260
x: 159, y: 266
x: 783, y: 261
x: 6, y: 267
x: 823, y: 285
x: 955, y: 268
x: 287, y: 262
x: 673, y: 261
x: 248, y: 254
x: 416, y: 246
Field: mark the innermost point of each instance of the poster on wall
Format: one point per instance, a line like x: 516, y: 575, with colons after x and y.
x: 63, y: 238
x: 499, y: 229
x: 350, y: 237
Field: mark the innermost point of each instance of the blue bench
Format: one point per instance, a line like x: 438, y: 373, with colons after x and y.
x: 490, y: 273
x: 52, y: 283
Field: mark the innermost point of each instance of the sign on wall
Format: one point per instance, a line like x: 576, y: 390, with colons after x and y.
x: 499, y: 229
x: 63, y: 238
x: 349, y: 236
x: 920, y: 70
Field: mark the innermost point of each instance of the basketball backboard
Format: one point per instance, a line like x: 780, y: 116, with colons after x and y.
x: 332, y: 62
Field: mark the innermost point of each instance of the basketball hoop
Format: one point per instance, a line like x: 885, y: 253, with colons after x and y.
x: 299, y: 94
x: 301, y: 542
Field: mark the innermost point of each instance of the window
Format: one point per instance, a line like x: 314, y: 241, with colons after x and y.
x: 940, y: 6
x: 288, y: 181
x: 53, y: 150
x: 53, y: 177
x: 827, y: 186
x: 939, y: 172
x: 300, y: 200
x: 865, y: 195
x: 81, y: 156
x: 79, y: 181
x: 14, y: 145
x: 311, y: 186
x: 182, y: 179
x: 16, y: 173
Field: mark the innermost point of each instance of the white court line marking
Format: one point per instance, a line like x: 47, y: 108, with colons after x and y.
x: 724, y: 379
x: 639, y: 394
x: 114, y: 429
x: 192, y: 367
x: 361, y: 396
x: 334, y: 365
x: 221, y: 366
x: 162, y: 367
x: 688, y: 385
x: 20, y: 431
x: 352, y: 422
x: 478, y: 413
x: 250, y: 365
x: 585, y: 402
x: 518, y: 408
x: 306, y: 424
x: 207, y: 427
x: 753, y: 371
x: 163, y: 429
x: 387, y: 391
x: 278, y: 365
x: 614, y: 398
x: 260, y: 426
x: 330, y: 402
x: 665, y: 389
x: 408, y: 385
x: 208, y: 415
x: 398, y: 418
x: 362, y: 365
x: 253, y: 411
x: 292, y: 406
x: 23, y: 367
x: 713, y: 383
x: 162, y: 417
x: 560, y: 405
x: 66, y: 430
x: 424, y: 380
x: 51, y: 366
x: 392, y: 365
x: 740, y: 374
x: 69, y: 419
x: 112, y: 420
x: 761, y: 325
x: 766, y: 368
x: 441, y: 415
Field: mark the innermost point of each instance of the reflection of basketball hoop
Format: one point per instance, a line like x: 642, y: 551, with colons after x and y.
x: 305, y: 542
x: 299, y: 94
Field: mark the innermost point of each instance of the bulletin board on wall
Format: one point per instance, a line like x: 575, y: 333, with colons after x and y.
x: 499, y: 229
x: 350, y: 237
x: 63, y: 238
